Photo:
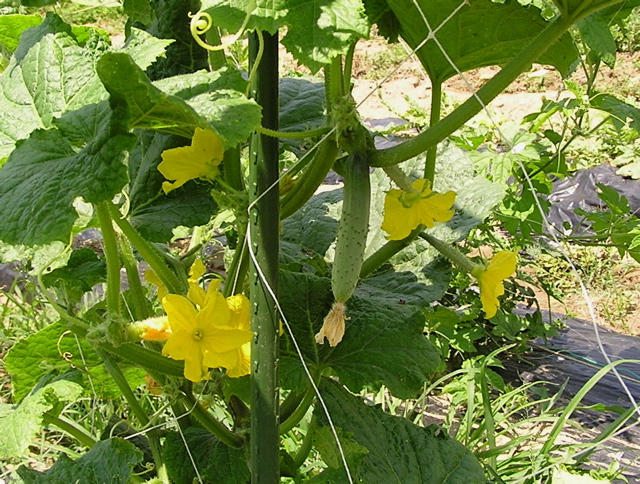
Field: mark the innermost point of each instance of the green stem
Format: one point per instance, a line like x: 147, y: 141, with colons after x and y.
x: 300, y: 411
x: 233, y: 169
x: 148, y: 252
x: 290, y: 403
x: 217, y: 59
x: 348, y: 68
x: 384, y: 253
x: 451, y: 253
x: 309, y: 181
x: 209, y: 422
x: 312, y: 133
x: 140, y: 309
x: 146, y: 358
x: 110, y: 246
x: 473, y: 105
x: 73, y: 429
x: 399, y: 178
x: 434, y: 117
x: 122, y: 383
x: 264, y: 231
x: 307, y: 445
x: 239, y: 266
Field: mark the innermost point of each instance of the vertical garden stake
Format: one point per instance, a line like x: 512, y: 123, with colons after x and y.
x: 264, y: 240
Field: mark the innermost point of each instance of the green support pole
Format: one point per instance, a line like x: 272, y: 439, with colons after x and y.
x: 264, y: 228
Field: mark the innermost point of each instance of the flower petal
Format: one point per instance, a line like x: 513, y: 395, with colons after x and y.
x: 181, y: 346
x: 397, y: 221
x: 240, y: 308
x: 243, y: 367
x: 207, y: 146
x: 222, y: 340
x: 181, y: 312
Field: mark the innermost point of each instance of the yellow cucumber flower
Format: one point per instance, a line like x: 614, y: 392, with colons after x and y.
x: 490, y: 278
x: 204, y: 338
x: 200, y: 160
x: 404, y: 211
x: 240, y: 319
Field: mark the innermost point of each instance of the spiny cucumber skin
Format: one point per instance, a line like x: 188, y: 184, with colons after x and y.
x: 352, y: 229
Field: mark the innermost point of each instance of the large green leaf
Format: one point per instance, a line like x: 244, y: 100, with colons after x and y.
x: 47, y: 171
x: 383, y: 343
x: 140, y: 103
x: 621, y: 112
x: 215, y: 462
x: 54, y: 351
x: 595, y: 32
x: 317, y: 30
x: 399, y: 451
x: 481, y: 33
x: 11, y: 27
x: 21, y: 424
x: 301, y: 104
x: 110, y: 460
x: 180, y: 104
x: 47, y: 76
x: 152, y: 212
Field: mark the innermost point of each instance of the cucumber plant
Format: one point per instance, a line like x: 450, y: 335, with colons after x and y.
x: 83, y: 128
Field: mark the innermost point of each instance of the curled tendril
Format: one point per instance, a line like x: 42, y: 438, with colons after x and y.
x: 201, y: 22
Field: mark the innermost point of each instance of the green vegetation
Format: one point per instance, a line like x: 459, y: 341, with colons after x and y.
x: 142, y: 358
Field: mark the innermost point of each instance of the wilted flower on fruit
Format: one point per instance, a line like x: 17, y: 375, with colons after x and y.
x: 490, y: 278
x: 404, y: 211
x: 333, y: 325
x: 200, y: 160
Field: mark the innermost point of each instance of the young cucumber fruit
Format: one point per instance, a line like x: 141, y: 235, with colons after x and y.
x: 353, y: 227
x: 350, y: 245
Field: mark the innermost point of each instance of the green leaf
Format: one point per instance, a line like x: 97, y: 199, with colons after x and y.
x: 82, y: 158
x: 218, y: 97
x: 215, y: 462
x: 301, y: 104
x: 83, y: 271
x: 383, y: 343
x: 179, y: 104
x: 152, y: 212
x: 595, y: 32
x: 399, y: 451
x: 12, y: 26
x: 55, y: 350
x: 143, y: 105
x: 621, y: 112
x: 138, y: 11
x: 47, y: 76
x: 317, y: 31
x: 324, y: 443
x: 481, y: 33
x: 110, y: 460
x: 144, y: 48
x: 21, y: 424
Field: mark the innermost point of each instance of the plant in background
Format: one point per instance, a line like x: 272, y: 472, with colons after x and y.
x: 164, y: 132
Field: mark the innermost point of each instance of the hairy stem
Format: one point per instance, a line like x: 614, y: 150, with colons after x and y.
x: 110, y: 245
x: 473, y: 105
